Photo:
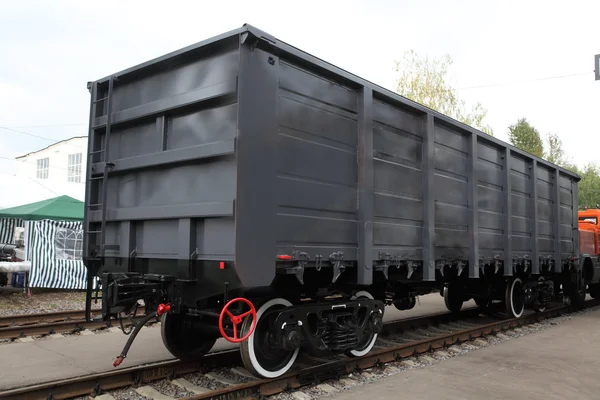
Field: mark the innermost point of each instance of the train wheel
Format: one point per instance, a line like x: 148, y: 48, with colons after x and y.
x: 578, y: 295
x: 368, y: 339
x: 482, y: 303
x: 184, y: 340
x: 452, y: 299
x: 258, y: 355
x: 514, y: 298
x: 540, y: 309
x: 578, y: 290
x: 595, y: 291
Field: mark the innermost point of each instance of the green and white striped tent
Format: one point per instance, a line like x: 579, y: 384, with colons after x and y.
x: 53, y: 240
x: 7, y: 229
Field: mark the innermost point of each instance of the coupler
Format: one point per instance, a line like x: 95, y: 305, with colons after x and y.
x: 162, y: 309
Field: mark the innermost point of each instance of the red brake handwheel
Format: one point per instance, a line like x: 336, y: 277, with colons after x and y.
x: 236, y: 320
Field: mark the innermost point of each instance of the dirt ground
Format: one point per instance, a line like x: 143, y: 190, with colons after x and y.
x: 16, y: 301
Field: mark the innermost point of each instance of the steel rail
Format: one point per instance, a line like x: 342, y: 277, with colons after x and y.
x: 117, y: 379
x: 339, y: 368
x: 15, y: 332
x: 28, y: 319
x: 125, y: 377
x: 17, y: 326
x: 135, y: 375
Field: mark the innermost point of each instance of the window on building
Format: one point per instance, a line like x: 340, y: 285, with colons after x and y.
x: 74, y: 168
x: 43, y: 166
x: 68, y: 243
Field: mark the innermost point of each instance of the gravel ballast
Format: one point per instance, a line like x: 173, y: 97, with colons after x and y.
x: 425, y: 360
x: 16, y: 302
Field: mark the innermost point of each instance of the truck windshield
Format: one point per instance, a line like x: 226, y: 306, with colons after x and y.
x: 593, y: 220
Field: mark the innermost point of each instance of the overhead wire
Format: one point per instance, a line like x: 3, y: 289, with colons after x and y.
x: 526, y: 81
x: 41, y: 137
x: 43, y: 126
x: 55, y: 141
x: 42, y: 185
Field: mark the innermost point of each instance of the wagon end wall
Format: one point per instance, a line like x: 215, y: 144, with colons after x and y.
x: 161, y: 181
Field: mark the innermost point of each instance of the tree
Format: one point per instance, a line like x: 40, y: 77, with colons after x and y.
x: 424, y: 81
x: 589, y: 186
x: 524, y: 136
x: 555, y: 153
x: 571, y: 167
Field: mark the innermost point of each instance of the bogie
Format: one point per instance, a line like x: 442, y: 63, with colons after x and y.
x: 519, y: 292
x: 332, y: 327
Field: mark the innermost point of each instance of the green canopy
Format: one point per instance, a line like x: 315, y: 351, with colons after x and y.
x: 62, y: 208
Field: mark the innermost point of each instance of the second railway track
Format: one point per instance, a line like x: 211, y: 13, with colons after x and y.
x: 220, y: 375
x: 25, y: 325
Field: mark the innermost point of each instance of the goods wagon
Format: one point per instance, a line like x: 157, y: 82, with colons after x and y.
x: 245, y: 189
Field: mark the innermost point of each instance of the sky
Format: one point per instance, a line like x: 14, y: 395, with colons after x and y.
x: 502, y: 51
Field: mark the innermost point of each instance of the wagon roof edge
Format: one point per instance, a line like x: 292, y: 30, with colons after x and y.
x: 281, y: 46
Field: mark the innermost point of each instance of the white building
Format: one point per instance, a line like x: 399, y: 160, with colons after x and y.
x: 58, y: 169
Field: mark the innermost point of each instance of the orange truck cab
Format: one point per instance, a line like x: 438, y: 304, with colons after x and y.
x: 589, y: 230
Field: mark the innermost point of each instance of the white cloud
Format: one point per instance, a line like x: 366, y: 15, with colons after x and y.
x: 51, y: 49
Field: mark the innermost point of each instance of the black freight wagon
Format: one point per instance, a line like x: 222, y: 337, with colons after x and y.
x: 242, y: 176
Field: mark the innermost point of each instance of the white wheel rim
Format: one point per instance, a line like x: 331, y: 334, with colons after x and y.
x: 252, y: 354
x: 360, y: 353
x: 512, y: 302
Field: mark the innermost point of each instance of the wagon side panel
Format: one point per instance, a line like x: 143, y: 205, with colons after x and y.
x: 451, y: 173
x: 399, y: 152
x: 492, y: 207
x: 316, y: 168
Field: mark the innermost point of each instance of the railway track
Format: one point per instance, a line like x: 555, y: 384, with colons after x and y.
x: 19, y: 326
x: 220, y: 375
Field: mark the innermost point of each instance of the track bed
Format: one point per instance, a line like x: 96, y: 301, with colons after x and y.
x: 221, y: 374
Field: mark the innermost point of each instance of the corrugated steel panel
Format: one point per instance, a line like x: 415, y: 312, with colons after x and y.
x: 243, y: 147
